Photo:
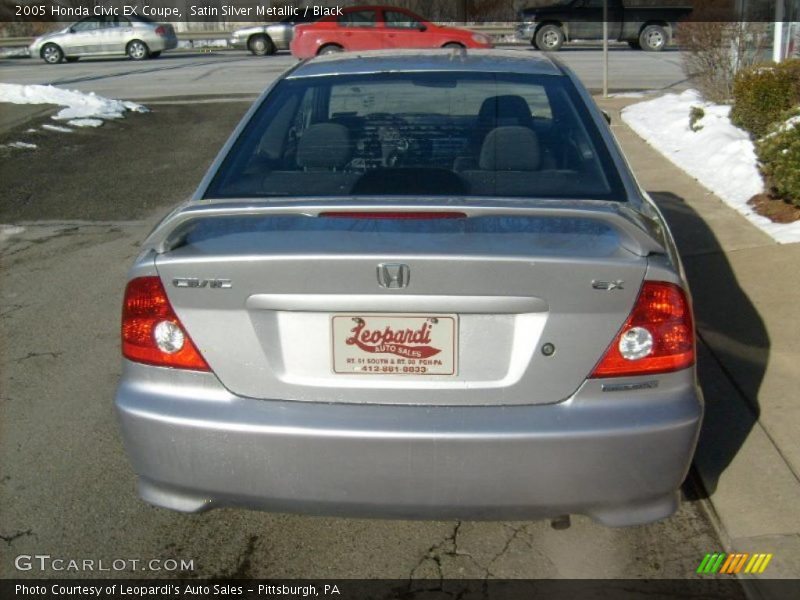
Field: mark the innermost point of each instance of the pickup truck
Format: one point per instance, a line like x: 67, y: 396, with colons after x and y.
x: 643, y: 27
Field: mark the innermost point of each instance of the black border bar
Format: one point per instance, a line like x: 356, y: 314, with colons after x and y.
x: 707, y: 587
x: 449, y: 11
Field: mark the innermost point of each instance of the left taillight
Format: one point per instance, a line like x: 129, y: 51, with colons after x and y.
x: 161, y: 30
x: 152, y: 332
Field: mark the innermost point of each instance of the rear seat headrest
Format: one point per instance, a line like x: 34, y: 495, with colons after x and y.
x: 325, y: 146
x: 511, y: 148
x: 505, y: 108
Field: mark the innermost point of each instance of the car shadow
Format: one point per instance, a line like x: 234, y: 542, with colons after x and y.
x: 176, y: 55
x: 733, y: 344
x: 167, y: 56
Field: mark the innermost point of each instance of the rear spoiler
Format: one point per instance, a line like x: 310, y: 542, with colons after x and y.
x: 637, y: 234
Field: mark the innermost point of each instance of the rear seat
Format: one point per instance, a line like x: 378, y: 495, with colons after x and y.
x: 323, y: 153
x: 513, y: 163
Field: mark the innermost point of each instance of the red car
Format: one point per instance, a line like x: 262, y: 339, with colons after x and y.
x: 377, y: 28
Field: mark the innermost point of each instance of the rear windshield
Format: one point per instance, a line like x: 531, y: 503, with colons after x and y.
x: 420, y: 134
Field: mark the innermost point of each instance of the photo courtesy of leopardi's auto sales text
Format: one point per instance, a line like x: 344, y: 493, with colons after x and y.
x: 416, y: 299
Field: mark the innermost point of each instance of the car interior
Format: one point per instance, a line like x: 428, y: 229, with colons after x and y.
x: 309, y: 147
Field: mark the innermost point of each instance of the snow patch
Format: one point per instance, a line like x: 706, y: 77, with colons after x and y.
x: 6, y: 231
x: 58, y: 128
x: 85, y: 122
x: 77, y: 105
x: 720, y: 156
x: 22, y: 145
x: 17, y: 52
x: 788, y: 124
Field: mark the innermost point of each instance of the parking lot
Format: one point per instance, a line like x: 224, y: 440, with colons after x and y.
x: 85, y: 200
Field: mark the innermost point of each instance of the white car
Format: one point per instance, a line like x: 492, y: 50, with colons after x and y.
x: 268, y: 38
x: 136, y: 37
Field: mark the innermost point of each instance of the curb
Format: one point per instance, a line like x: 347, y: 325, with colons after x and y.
x: 753, y: 501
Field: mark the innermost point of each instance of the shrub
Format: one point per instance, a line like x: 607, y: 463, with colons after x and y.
x: 762, y: 94
x: 779, y: 153
x: 715, y: 50
x: 696, y: 115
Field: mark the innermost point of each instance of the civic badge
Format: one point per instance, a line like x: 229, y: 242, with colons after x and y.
x: 393, y: 276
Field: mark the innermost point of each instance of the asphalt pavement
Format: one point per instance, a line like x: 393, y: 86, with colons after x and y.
x: 232, y: 73
x: 65, y: 485
x: 123, y: 170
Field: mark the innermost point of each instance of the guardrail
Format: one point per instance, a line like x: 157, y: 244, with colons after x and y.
x: 190, y: 36
x: 13, y: 42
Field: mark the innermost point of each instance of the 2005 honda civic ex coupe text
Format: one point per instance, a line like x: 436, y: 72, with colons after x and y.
x: 414, y: 285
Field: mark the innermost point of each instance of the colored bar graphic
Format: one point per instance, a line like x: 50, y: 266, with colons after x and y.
x: 765, y: 563
x: 732, y: 564
x: 757, y: 566
x: 749, y: 566
x: 729, y: 563
x: 704, y: 564
x: 741, y: 562
x: 718, y: 564
x: 711, y: 563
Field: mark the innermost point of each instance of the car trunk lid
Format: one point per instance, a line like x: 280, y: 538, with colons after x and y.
x: 486, y: 309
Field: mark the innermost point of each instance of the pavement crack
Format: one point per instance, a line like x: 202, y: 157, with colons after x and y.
x: 506, y: 546
x: 242, y: 570
x: 244, y: 563
x: 37, y: 355
x: 12, y: 308
x: 8, y: 539
x: 436, y: 550
x: 429, y: 554
x: 446, y: 548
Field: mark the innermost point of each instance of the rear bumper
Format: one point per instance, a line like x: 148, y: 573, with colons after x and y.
x: 618, y: 457
x: 166, y: 43
x: 161, y: 43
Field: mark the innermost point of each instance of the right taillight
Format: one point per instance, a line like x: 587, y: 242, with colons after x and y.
x: 658, y: 336
x: 152, y: 332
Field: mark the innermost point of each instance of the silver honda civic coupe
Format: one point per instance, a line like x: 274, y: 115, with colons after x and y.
x: 414, y: 285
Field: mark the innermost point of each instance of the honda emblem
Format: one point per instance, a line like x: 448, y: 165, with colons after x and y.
x: 393, y: 276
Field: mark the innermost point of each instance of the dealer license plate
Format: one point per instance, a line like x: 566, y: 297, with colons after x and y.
x: 370, y: 344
